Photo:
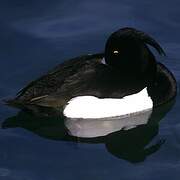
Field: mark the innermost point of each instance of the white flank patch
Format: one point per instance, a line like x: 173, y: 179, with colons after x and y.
x: 90, y: 107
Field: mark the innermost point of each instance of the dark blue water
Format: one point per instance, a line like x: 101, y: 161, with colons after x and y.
x: 37, y: 35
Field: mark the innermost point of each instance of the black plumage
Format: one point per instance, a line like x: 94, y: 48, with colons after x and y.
x: 130, y: 66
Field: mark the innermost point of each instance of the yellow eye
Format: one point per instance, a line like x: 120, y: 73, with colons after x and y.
x: 115, y: 52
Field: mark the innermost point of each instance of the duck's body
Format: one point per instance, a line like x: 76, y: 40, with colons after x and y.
x: 85, y: 75
x: 89, y: 76
x: 70, y: 79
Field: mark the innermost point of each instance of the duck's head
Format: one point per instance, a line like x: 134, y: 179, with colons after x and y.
x: 127, y: 51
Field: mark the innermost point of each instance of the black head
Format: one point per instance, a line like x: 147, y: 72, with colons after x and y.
x: 126, y: 50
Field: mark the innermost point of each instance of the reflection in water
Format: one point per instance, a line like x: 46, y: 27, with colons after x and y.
x: 128, y: 144
x: 87, y: 128
x: 131, y: 145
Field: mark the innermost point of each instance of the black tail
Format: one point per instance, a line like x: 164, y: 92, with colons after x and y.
x: 14, y: 103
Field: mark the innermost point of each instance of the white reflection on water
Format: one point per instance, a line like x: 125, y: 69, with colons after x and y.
x: 87, y: 128
x: 88, y: 116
